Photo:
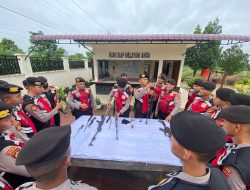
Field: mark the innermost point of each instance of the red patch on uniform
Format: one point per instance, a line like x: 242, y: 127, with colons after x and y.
x: 13, y: 151
x: 33, y: 107
x: 227, y: 171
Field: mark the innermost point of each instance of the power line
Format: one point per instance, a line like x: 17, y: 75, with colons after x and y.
x: 51, y: 27
x: 85, y: 12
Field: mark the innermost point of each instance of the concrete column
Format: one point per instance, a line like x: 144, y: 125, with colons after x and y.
x: 160, y: 67
x: 181, y: 71
x: 86, y: 63
x: 95, y: 64
x: 66, y: 68
x: 24, y: 65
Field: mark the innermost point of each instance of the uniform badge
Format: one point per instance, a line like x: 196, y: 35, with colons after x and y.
x: 4, y: 113
x: 34, y: 107
x: 227, y: 171
x: 203, y: 105
x: 123, y: 97
x: 13, y: 151
x: 13, y: 89
x: 116, y: 94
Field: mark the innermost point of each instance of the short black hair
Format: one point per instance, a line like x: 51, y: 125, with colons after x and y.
x: 25, y: 83
x: 124, y: 75
x: 205, y: 157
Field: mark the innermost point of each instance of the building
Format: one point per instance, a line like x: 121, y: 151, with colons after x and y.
x: 135, y: 54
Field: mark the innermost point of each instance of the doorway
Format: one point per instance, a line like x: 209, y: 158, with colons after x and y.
x: 171, y: 69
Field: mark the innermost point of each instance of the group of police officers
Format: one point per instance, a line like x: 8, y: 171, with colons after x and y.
x: 32, y: 149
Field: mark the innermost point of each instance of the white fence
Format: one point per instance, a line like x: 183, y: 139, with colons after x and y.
x: 58, y: 78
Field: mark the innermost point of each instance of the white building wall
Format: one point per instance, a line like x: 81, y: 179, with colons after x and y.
x: 57, y: 78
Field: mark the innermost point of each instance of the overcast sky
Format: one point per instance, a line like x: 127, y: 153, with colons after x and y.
x: 120, y: 17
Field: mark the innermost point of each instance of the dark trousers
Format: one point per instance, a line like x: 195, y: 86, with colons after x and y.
x: 162, y: 116
x: 139, y: 114
x: 57, y: 119
x: 79, y: 113
x: 126, y: 113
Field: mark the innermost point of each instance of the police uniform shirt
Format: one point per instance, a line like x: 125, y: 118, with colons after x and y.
x: 37, y: 113
x: 67, y: 185
x: 233, y: 176
x: 76, y: 104
x: 203, y: 180
x: 9, y: 154
x: 114, y: 92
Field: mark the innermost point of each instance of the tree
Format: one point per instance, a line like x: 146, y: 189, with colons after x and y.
x: 45, y: 49
x: 205, y: 55
x: 8, y: 47
x: 233, y: 60
x: 77, y: 56
x: 89, y: 55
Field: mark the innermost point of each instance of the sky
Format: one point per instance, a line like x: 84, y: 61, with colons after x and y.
x: 120, y: 17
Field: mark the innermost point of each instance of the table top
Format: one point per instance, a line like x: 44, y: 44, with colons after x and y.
x: 143, y: 147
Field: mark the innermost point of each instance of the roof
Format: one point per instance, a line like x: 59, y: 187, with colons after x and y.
x: 152, y: 38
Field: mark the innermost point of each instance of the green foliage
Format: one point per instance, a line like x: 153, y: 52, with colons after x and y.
x: 243, y: 86
x: 205, y: 55
x: 8, y: 47
x: 187, y: 72
x: 45, y: 49
x: 62, y: 93
x: 89, y: 55
x: 190, y: 82
x: 234, y: 60
x: 77, y: 57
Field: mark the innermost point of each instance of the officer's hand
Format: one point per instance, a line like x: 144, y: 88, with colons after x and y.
x: 156, y: 114
x: 109, y: 103
x: 84, y: 106
x: 59, y: 105
x: 118, y: 114
x: 94, y: 109
x: 168, y: 118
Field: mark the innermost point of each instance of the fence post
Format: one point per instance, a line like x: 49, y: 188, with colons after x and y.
x: 66, y: 68
x: 24, y: 65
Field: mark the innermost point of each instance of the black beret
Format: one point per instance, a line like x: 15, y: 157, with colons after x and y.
x: 79, y: 79
x: 34, y: 81
x: 10, y: 89
x: 236, y: 114
x: 25, y: 83
x: 240, y: 99
x: 197, y: 132
x: 143, y: 76
x: 225, y: 93
x: 124, y: 75
x: 45, y: 147
x: 5, y: 110
x: 171, y: 81
x: 3, y: 82
x: 208, y: 86
x: 163, y: 76
x: 198, y: 82
x: 121, y: 82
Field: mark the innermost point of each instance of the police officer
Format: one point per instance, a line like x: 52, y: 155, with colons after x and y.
x: 234, y: 160
x: 50, y: 93
x: 128, y: 85
x: 221, y: 100
x: 195, y: 139
x: 4, y: 185
x: 37, y: 106
x: 144, y: 96
x: 169, y: 102
x: 10, y: 146
x: 11, y: 94
x: 48, y: 165
x: 122, y: 98
x: 193, y: 92
x: 159, y: 86
x: 81, y: 99
x: 204, y: 101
